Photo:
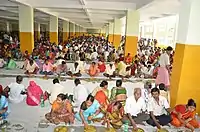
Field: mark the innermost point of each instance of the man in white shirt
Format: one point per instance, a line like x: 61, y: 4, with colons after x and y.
x: 135, y: 109
x: 158, y: 107
x: 55, y: 90
x: 80, y: 93
x: 94, y: 55
x: 110, y: 71
x: 32, y: 68
x: 75, y: 70
x: 16, y: 91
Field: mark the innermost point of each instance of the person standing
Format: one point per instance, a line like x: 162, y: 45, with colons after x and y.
x: 164, y: 69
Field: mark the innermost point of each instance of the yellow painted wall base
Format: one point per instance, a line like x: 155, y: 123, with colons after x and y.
x: 26, y: 41
x: 65, y: 36
x: 72, y: 34
x: 131, y: 45
x: 53, y: 37
x: 36, y: 35
x: 185, y: 75
x: 110, y: 38
x: 116, y: 40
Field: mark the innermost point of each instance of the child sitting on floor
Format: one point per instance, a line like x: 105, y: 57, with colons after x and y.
x: 163, y: 91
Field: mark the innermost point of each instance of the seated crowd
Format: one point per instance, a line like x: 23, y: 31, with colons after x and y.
x: 91, y: 55
x: 145, y: 105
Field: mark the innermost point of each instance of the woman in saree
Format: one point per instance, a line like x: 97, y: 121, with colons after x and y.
x: 118, y: 93
x: 61, y: 111
x: 34, y: 92
x: 102, y: 95
x: 102, y: 99
x: 184, y: 115
x: 114, y: 115
x: 4, y: 109
x: 89, y: 111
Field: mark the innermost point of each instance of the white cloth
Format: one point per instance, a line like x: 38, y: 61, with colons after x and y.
x: 80, y: 94
x: 73, y: 70
x: 30, y: 68
x: 106, y: 54
x: 75, y: 48
x: 144, y: 70
x: 94, y: 55
x: 158, y: 109
x: 123, y: 72
x: 133, y: 107
x: 164, y: 60
x: 110, y: 70
x: 55, y: 90
x: 81, y: 66
x: 2, y: 63
x: 58, y: 62
x: 15, y: 95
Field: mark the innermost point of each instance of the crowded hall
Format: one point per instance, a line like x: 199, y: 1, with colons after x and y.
x: 99, y: 66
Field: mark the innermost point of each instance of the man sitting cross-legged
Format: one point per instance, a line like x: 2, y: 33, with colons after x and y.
x: 135, y: 109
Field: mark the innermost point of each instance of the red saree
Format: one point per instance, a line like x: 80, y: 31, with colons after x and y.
x: 185, y: 115
x: 102, y: 98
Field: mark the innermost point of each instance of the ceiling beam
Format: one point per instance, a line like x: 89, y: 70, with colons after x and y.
x: 76, y: 5
x: 83, y: 2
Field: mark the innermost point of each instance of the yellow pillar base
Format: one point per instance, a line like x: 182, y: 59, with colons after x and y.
x: 185, y: 75
x: 117, y: 39
x: 65, y: 36
x: 26, y: 41
x: 110, y: 38
x: 36, y: 35
x: 131, y: 45
x: 72, y: 34
x: 53, y: 37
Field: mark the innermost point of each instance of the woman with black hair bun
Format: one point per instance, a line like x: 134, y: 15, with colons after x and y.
x: 184, y: 115
x: 61, y: 111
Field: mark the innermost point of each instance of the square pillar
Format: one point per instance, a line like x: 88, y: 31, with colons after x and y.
x: 185, y: 73
x: 111, y: 32
x: 72, y: 29
x: 37, y: 31
x: 65, y: 31
x: 132, y: 32
x: 53, y: 28
x: 117, y: 33
x: 26, y: 28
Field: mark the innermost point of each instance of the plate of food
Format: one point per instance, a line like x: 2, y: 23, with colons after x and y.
x: 61, y: 129
x: 90, y: 129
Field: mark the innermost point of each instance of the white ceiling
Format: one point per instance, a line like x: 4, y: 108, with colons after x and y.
x: 89, y: 13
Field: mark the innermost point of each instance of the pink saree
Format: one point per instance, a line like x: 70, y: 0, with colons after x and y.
x: 33, y: 94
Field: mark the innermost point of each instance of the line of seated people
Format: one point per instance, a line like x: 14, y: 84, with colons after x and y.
x: 111, y: 70
x: 113, y: 110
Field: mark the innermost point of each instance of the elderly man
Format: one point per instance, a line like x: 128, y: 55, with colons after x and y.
x: 135, y: 109
x: 158, y: 107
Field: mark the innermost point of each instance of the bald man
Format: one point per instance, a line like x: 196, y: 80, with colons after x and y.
x: 135, y: 109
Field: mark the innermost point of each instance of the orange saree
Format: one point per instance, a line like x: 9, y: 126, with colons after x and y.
x: 185, y: 115
x: 102, y: 98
